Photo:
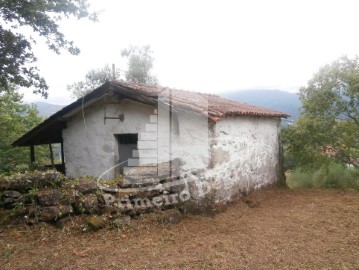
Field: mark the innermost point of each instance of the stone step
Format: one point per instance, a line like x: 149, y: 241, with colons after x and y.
x: 142, y: 161
x: 144, y: 153
x: 150, y: 170
x: 140, y: 180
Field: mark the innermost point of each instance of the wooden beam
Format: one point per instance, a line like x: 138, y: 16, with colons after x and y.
x: 32, y: 154
x: 62, y: 154
x: 51, y: 156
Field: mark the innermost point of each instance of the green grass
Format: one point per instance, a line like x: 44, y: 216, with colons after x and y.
x: 327, y: 176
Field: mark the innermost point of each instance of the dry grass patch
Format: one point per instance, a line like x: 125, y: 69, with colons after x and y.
x: 286, y: 229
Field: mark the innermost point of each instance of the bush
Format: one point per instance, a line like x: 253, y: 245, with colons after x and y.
x: 299, y: 179
x: 333, y: 175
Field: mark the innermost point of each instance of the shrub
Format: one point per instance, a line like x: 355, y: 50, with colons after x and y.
x: 333, y: 175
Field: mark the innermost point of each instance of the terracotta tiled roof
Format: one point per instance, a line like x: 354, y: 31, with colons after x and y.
x: 212, y: 105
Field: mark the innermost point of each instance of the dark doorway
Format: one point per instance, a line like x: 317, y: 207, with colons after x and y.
x: 126, y: 144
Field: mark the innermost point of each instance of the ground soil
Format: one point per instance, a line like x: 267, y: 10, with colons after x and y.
x: 275, y: 229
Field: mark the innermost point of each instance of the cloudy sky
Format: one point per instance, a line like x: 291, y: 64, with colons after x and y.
x: 208, y: 46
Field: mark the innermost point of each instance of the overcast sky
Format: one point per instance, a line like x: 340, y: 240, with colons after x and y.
x: 208, y: 46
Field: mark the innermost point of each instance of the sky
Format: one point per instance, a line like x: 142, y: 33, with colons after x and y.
x: 207, y: 46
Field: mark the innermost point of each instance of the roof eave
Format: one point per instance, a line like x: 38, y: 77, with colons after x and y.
x: 58, y: 116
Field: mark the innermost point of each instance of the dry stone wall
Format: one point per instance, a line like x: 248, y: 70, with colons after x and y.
x: 51, y: 197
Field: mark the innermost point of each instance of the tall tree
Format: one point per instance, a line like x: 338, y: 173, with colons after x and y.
x: 140, y: 64
x: 139, y: 67
x: 93, y: 79
x: 16, y: 118
x: 17, y: 60
x: 329, y: 125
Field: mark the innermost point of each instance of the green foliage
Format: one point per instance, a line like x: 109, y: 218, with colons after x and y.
x: 93, y: 79
x: 329, y: 126
x: 300, y: 146
x: 333, y: 175
x: 114, y: 182
x: 18, y: 208
x: 17, y: 61
x: 140, y: 64
x: 16, y: 118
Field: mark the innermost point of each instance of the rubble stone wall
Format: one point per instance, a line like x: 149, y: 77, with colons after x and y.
x: 51, y: 197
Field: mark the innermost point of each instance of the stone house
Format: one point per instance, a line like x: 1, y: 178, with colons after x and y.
x: 145, y: 132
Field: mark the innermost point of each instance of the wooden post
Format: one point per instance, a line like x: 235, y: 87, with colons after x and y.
x: 32, y: 154
x: 281, y: 179
x: 51, y: 156
x: 62, y: 154
x: 170, y: 132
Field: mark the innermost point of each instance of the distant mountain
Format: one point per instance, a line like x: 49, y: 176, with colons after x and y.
x: 272, y: 99
x: 47, y: 109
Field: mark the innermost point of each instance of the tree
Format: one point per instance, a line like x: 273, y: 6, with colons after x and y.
x: 16, y: 118
x: 93, y: 79
x: 17, y: 61
x: 140, y: 64
x: 329, y: 125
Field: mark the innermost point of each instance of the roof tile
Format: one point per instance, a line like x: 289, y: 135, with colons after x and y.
x: 209, y: 104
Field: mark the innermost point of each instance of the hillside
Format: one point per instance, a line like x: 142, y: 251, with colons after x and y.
x: 273, y: 99
x: 47, y: 109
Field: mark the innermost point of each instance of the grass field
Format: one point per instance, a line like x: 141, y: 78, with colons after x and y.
x: 280, y: 229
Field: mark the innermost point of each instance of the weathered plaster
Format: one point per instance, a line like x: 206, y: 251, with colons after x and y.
x: 91, y: 147
x: 244, y: 156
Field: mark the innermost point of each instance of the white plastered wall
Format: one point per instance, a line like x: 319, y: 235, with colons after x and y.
x: 244, y: 155
x: 91, y: 148
x: 238, y: 153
